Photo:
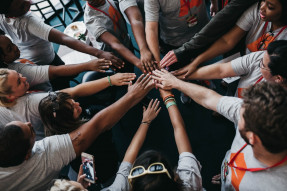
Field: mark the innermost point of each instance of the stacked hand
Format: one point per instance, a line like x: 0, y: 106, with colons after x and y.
x: 142, y: 86
x: 168, y: 59
x: 121, y: 79
x: 147, y: 61
x: 164, y: 79
x: 151, y: 112
x: 185, y: 72
x: 116, y: 62
x: 99, y: 65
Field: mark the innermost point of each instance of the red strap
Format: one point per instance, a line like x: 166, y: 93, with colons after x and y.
x: 259, y: 80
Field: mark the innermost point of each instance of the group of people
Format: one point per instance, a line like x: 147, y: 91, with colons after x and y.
x: 44, y: 128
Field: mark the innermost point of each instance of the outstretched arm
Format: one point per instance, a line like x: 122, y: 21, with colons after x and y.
x: 149, y: 114
x: 83, y: 137
x: 151, y: 30
x: 60, y: 38
x: 180, y: 135
x: 201, y: 95
x: 99, y: 65
x: 92, y: 87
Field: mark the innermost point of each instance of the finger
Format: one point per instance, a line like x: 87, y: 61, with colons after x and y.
x: 154, y: 103
x: 157, y: 111
x: 188, y: 73
x: 179, y: 72
x: 157, y: 105
x: 173, y: 60
x: 156, y: 78
x: 126, y: 83
x: 140, y: 78
x: 146, y: 80
x: 157, y: 73
x: 215, y: 182
x: 159, y: 86
x: 150, y: 103
x: 145, y: 68
x: 102, y: 71
x: 144, y: 109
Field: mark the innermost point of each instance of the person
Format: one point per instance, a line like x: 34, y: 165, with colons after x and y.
x: 263, y: 23
x: 105, y: 24
x: 222, y: 22
x: 31, y: 34
x: 23, y: 160
x: 151, y: 171
x: 178, y: 21
x: 256, y: 67
x: 257, y: 159
x: 133, y: 16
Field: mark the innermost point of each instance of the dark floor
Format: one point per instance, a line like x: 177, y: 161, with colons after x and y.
x: 210, y: 137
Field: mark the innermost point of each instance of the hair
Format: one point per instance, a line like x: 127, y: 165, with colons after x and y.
x: 64, y: 121
x: 14, y: 145
x: 64, y: 185
x: 5, y: 6
x: 4, y: 89
x: 154, y: 182
x: 270, y: 124
x: 284, y: 9
x: 277, y: 51
x: 1, y: 52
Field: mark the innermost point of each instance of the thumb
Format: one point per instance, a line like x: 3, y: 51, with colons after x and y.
x: 144, y: 108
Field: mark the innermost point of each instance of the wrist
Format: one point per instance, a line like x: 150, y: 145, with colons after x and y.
x: 147, y: 122
x: 110, y: 80
x: 98, y: 53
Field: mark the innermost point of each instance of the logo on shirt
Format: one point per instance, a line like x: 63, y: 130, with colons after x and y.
x: 236, y: 174
x: 187, y: 5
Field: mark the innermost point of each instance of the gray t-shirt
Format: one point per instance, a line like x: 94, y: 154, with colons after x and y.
x: 30, y: 34
x: 124, y: 5
x: 49, y: 156
x: 248, y: 68
x: 272, y: 179
x: 250, y: 21
x: 172, y: 15
x: 188, y: 170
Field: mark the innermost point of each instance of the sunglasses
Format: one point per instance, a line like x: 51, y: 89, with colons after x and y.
x: 53, y: 97
x: 154, y: 168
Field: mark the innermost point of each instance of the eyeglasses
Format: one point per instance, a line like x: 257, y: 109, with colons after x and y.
x: 154, y: 168
x: 261, y: 65
x: 53, y: 96
x: 265, y: 40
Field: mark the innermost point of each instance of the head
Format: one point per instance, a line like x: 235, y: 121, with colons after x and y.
x: 15, y: 8
x: 269, y: 126
x: 273, y: 65
x: 67, y: 185
x: 12, y: 86
x: 17, y: 140
x: 273, y: 10
x: 60, y: 113
x: 9, y: 52
x: 153, y: 182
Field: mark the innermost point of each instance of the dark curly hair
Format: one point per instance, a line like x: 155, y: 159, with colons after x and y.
x: 265, y: 114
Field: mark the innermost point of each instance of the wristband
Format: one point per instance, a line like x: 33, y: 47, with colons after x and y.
x: 170, y: 104
x: 145, y: 122
x: 110, y: 82
x: 168, y: 99
x: 170, y: 95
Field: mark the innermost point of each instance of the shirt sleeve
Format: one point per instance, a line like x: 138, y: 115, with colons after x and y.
x: 59, y: 150
x: 121, y: 180
x: 35, y: 74
x: 124, y: 4
x: 151, y: 8
x: 230, y: 107
x: 189, y: 171
x: 37, y: 27
x: 246, y: 21
x: 243, y: 65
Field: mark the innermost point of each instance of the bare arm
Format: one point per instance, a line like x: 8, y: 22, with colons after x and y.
x: 149, y: 114
x: 151, y: 29
x: 83, y: 137
x: 92, y: 87
x: 74, y: 69
x: 180, y: 135
x: 111, y: 40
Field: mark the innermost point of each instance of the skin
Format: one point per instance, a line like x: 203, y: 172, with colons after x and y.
x: 77, y: 109
x: 10, y: 51
x: 18, y: 83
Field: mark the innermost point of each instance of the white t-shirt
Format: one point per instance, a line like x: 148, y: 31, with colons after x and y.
x: 30, y: 34
x: 172, y: 15
x: 49, y: 156
x: 272, y: 179
x: 250, y: 21
x: 247, y: 67
x: 188, y: 170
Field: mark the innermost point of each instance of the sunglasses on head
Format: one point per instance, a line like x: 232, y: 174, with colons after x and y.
x: 53, y: 97
x: 154, y: 168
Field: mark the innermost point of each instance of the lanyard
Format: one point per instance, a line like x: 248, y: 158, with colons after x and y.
x: 224, y: 3
x: 252, y: 169
x: 259, y: 80
x: 107, y: 14
x: 264, y: 30
x: 187, y: 4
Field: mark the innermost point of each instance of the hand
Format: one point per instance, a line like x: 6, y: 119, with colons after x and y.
x: 142, y: 86
x: 151, y: 112
x: 99, y: 65
x: 213, y: 8
x: 116, y: 62
x: 168, y: 59
x: 216, y: 179
x: 185, y: 72
x: 164, y: 79
x: 121, y: 79
x: 81, y: 177
x: 140, y: 66
x: 147, y: 61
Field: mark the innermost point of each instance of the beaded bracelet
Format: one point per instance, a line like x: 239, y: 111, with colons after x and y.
x: 110, y: 82
x: 170, y: 104
x: 168, y: 99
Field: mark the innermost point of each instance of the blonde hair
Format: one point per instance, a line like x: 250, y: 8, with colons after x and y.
x: 64, y: 185
x: 4, y: 89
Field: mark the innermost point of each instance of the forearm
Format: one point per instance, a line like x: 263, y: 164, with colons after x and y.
x: 136, y: 144
x: 125, y: 53
x: 67, y: 70
x: 180, y: 135
x: 87, y: 88
x: 201, y: 95
x: 152, y: 41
